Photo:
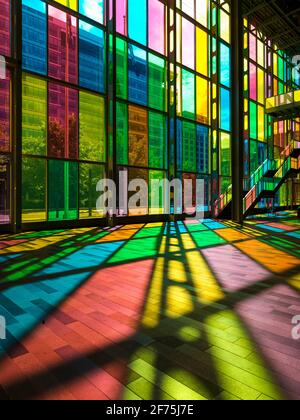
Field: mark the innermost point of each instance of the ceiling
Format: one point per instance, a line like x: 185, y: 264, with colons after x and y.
x: 279, y: 20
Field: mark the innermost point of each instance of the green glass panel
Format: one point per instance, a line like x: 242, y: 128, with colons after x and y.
x: 156, y: 192
x: 225, y: 154
x: 121, y: 59
x: 33, y: 190
x: 89, y: 176
x: 122, y: 133
x: 225, y: 184
x: 253, y: 120
x: 63, y: 190
x: 280, y: 88
x: 157, y: 140
x: 34, y: 116
x: 189, y: 146
x: 188, y: 94
x: 253, y: 156
x: 280, y: 68
x: 92, y: 130
x: 157, y: 82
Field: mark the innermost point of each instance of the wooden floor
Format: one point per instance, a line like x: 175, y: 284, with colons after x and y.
x: 184, y: 311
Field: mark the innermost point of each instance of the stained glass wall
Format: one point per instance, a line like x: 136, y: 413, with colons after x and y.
x: 5, y: 114
x: 64, y: 108
x: 139, y: 87
x: 268, y: 72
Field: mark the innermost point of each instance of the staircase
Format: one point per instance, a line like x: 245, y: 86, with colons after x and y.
x: 264, y: 182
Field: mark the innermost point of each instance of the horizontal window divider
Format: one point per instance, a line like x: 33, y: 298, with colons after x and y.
x: 76, y: 14
x: 48, y: 158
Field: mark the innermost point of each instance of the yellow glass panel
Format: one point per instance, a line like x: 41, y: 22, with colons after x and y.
x: 261, y: 86
x: 202, y: 48
x: 275, y: 65
x: 179, y: 92
x: 71, y: 4
x: 245, y: 40
x: 297, y: 96
x: 202, y: 100
x: 270, y: 103
x: 260, y: 53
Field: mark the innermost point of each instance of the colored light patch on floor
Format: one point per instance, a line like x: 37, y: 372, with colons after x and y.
x: 6, y: 258
x: 269, y: 324
x: 29, y: 304
x: 231, y: 235
x: 294, y: 234
x: 282, y: 226
x: 273, y: 259
x: 149, y: 232
x: 205, y: 239
x: 271, y: 228
x: 283, y: 245
x: 119, y: 235
x: 234, y: 270
x: 214, y: 225
x: 88, y: 257
x: 159, y: 318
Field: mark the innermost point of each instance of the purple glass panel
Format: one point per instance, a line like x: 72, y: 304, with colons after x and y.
x: 63, y: 122
x: 63, y: 57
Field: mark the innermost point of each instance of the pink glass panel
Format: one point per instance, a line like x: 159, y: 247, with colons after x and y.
x: 253, y: 82
x: 121, y: 17
x: 157, y: 20
x: 5, y: 27
x: 62, y: 46
x: 5, y: 114
x: 252, y: 46
x: 4, y: 190
x: 63, y: 122
x: 188, y: 47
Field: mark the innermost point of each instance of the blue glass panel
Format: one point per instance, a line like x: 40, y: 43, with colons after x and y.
x: 137, y: 20
x: 225, y: 78
x: 202, y: 149
x: 91, y: 57
x: 179, y: 145
x: 225, y: 111
x: 262, y: 153
x: 137, y: 75
x: 34, y: 37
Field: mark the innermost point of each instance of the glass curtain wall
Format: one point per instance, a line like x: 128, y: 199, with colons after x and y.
x: 5, y: 113
x: 268, y: 72
x: 168, y: 64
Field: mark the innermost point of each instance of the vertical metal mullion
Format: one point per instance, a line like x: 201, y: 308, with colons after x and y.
x: 237, y: 114
x: 172, y: 93
x: 16, y: 196
x: 111, y: 79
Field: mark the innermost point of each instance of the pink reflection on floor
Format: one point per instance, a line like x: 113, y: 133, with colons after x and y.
x: 283, y: 227
x: 233, y: 269
x: 268, y: 318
